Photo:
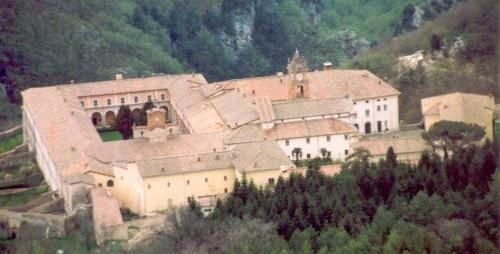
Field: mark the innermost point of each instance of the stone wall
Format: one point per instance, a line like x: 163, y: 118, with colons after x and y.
x: 56, y: 225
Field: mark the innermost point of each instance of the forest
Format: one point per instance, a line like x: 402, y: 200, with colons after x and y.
x: 440, y: 205
x: 50, y: 42
x: 460, y: 49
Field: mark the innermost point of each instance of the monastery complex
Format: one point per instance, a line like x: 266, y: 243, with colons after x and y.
x: 202, y: 136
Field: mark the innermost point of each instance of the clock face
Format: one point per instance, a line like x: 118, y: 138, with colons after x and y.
x: 299, y: 76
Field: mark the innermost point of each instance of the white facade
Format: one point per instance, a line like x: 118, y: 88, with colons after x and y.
x: 377, y: 114
x: 339, y: 146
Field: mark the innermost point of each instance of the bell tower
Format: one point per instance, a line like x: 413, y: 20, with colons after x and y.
x: 297, y: 73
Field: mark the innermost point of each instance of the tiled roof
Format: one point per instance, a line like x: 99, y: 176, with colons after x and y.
x: 297, y: 129
x: 258, y: 156
x: 234, y: 109
x: 245, y: 134
x: 105, y: 209
x: 357, y: 84
x: 309, y: 108
x: 133, y: 84
x: 184, y: 164
x: 265, y: 109
x: 63, y: 125
x: 142, y: 149
x: 458, y: 106
x: 311, y: 128
x: 401, y: 145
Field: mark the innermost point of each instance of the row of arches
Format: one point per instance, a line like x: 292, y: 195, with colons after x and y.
x: 110, y: 116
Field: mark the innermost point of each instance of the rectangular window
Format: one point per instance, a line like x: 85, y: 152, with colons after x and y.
x: 109, y: 102
x: 385, y: 124
x: 225, y: 190
x: 385, y: 107
x: 308, y: 140
x: 354, y: 103
x: 136, y: 99
x: 346, y: 137
x: 287, y: 142
x: 206, y: 180
x: 122, y: 100
x: 270, y: 181
x: 379, y: 126
x: 168, y: 184
x: 367, y: 112
x: 162, y: 97
x: 346, y: 152
x: 328, y: 138
x: 378, y: 107
x: 82, y: 103
x: 366, y: 101
x: 329, y: 154
x: 149, y: 98
x: 187, y: 182
x: 95, y: 103
x: 225, y: 178
x: 309, y: 156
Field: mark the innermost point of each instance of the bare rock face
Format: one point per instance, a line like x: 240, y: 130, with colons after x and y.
x: 414, y: 16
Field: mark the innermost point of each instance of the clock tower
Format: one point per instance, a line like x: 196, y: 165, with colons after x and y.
x: 297, y: 74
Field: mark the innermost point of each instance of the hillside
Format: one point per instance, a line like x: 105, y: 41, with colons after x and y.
x: 458, y: 52
x: 51, y: 42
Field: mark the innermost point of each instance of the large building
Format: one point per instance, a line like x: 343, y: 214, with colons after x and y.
x: 460, y: 107
x: 201, y: 136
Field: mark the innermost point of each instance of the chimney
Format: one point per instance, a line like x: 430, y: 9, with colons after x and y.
x: 327, y: 66
x: 280, y: 76
x: 119, y: 76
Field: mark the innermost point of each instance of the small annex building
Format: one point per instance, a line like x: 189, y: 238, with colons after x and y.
x: 460, y: 107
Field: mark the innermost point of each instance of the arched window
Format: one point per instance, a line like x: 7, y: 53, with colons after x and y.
x: 110, y: 183
x: 96, y: 118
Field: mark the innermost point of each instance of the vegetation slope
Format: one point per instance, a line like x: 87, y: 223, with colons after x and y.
x: 460, y: 50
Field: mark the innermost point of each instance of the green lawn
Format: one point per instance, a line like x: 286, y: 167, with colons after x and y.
x: 10, y: 143
x: 23, y: 197
x: 110, y: 136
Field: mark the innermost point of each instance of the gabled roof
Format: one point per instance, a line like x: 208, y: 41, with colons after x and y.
x: 234, y: 109
x: 287, y: 130
x: 356, y: 84
x: 311, y: 108
x: 185, y: 164
x: 258, y: 156
x: 311, y: 128
x: 457, y: 106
